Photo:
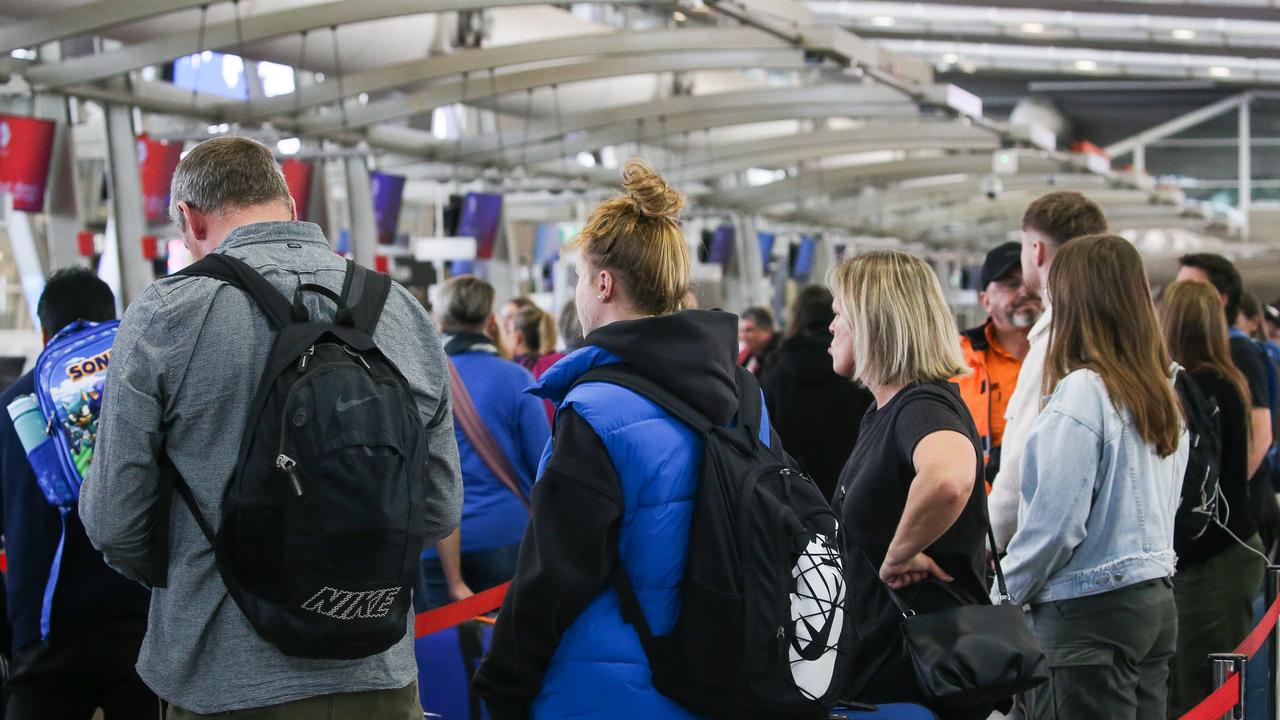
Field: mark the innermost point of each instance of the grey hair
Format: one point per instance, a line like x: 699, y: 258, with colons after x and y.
x: 227, y: 173
x: 465, y: 301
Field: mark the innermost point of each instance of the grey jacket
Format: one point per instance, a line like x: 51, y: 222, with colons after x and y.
x: 184, y: 369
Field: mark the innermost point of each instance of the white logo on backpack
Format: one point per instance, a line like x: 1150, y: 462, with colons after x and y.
x: 817, y: 614
x: 352, y: 604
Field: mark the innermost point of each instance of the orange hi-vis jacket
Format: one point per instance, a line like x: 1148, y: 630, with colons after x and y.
x: 987, y: 388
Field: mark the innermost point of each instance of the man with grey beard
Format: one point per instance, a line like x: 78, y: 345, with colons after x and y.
x: 994, y: 350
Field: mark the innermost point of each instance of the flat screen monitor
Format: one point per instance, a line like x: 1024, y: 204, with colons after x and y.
x: 804, y: 255
x: 721, y: 246
x: 481, y: 213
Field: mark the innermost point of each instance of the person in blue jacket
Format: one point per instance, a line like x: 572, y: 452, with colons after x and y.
x: 97, y: 616
x: 481, y: 553
x: 617, y: 484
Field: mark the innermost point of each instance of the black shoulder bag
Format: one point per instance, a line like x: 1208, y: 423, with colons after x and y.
x: 971, y: 655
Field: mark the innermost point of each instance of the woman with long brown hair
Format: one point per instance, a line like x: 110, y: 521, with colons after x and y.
x: 1220, y: 572
x: 1101, y: 480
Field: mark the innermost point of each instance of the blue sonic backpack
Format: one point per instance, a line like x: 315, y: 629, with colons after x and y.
x: 70, y: 374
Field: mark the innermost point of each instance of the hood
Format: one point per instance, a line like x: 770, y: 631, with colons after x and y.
x: 806, y: 358
x: 692, y: 353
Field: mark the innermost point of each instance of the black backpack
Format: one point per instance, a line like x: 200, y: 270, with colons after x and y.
x: 324, y: 518
x: 763, y: 629
x: 1198, y: 508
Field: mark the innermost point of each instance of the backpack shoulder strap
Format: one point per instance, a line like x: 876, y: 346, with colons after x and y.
x: 371, y: 290
x: 238, y: 273
x: 624, y: 376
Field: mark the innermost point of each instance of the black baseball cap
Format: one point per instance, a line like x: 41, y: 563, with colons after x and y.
x: 1000, y: 261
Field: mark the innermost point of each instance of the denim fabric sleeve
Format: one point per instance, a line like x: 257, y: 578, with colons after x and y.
x: 120, y: 493
x: 1059, y: 471
x: 533, y: 432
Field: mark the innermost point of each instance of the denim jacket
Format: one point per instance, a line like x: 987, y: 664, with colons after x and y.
x: 1097, y: 501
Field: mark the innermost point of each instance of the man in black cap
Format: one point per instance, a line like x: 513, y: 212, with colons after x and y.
x: 994, y: 350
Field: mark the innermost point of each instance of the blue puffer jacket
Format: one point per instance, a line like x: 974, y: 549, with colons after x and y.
x: 599, y: 669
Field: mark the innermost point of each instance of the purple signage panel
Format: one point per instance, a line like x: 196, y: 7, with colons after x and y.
x: 480, y: 215
x: 388, y: 193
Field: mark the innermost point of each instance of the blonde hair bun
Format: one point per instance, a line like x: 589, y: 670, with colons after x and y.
x: 652, y: 196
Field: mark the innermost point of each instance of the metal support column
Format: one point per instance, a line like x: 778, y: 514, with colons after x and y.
x: 126, y: 202
x: 62, y: 206
x: 1271, y: 589
x: 1140, y: 158
x: 1224, y: 665
x: 26, y: 257
x: 1246, y: 169
x: 364, y: 228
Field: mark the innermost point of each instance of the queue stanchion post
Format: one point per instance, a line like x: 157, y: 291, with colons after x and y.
x: 1271, y: 588
x: 1224, y: 666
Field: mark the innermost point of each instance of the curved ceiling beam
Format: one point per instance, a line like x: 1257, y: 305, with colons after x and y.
x: 381, y: 79
x: 86, y: 18
x: 865, y: 96
x: 1011, y: 205
x: 827, y: 180
x: 1137, y: 44
x: 1212, y: 10
x: 659, y: 133
x: 946, y: 195
x: 221, y: 36
x: 446, y: 93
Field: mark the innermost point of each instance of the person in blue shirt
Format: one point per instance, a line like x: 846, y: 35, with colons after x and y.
x: 482, y: 552
x: 98, y: 616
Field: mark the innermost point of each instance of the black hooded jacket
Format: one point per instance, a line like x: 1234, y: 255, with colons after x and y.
x: 816, y: 412
x: 570, y: 544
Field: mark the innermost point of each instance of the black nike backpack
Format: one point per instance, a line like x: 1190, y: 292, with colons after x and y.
x: 323, y: 520
x: 763, y: 629
x: 1198, y: 508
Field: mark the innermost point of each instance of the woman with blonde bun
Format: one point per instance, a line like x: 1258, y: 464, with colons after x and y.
x: 618, y: 479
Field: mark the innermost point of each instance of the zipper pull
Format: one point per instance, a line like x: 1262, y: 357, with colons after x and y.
x: 289, y: 466
x: 302, y: 364
x: 357, y: 356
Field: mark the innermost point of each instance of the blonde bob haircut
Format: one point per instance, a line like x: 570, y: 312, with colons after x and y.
x: 901, y: 327
x: 637, y: 237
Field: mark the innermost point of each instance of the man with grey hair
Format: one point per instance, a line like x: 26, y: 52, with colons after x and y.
x: 184, y: 371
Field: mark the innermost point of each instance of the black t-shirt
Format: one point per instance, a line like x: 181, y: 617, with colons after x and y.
x: 872, y: 496
x: 1232, y: 477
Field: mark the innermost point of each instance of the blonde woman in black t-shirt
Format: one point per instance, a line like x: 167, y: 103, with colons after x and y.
x: 911, y: 496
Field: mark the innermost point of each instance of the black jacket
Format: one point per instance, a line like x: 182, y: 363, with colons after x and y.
x: 816, y: 412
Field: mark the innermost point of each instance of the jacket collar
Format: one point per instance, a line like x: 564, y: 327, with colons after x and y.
x: 557, y: 381
x: 280, y: 231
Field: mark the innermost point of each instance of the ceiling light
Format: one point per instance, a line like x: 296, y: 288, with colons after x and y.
x: 1086, y: 65
x: 1033, y: 28
x: 969, y: 68
x: 950, y: 58
x: 679, y: 16
x: 289, y: 146
x: 1184, y: 34
x: 1219, y: 72
x: 883, y: 21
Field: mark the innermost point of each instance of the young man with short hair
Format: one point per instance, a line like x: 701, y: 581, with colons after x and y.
x: 185, y: 370
x: 758, y: 338
x: 97, y: 617
x: 1049, y: 222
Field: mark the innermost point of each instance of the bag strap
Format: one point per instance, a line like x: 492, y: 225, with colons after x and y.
x: 906, y: 609
x: 238, y: 273
x: 372, y: 290
x: 473, y: 427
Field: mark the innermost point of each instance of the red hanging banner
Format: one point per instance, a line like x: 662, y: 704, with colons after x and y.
x: 25, y: 145
x: 156, y: 162
x: 297, y: 175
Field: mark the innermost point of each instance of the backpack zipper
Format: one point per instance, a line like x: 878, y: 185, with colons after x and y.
x: 290, y: 468
x: 302, y: 364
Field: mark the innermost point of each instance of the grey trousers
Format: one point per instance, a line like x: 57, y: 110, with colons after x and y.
x: 1215, y: 612
x: 1108, y: 654
x: 401, y: 704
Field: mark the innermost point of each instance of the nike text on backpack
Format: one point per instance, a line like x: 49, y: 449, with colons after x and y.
x: 1198, y: 508
x: 58, y: 427
x: 324, y: 517
x: 762, y: 629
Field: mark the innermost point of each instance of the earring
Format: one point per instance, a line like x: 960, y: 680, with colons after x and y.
x: 600, y: 296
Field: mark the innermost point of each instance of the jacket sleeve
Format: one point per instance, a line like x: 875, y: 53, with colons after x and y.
x: 566, y: 559
x: 119, y: 495
x: 1059, y: 474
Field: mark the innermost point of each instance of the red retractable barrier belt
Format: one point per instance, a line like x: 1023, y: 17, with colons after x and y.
x: 459, y: 612
x: 1251, y: 644
x: 1217, y: 704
